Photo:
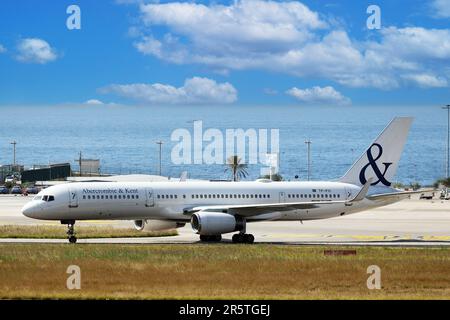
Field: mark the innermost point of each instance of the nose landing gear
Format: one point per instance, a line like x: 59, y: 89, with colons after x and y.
x: 70, y: 230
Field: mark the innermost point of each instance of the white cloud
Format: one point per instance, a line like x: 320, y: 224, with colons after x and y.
x: 195, y: 90
x: 93, y: 102
x: 35, y: 50
x: 290, y: 38
x: 427, y: 80
x: 249, y: 26
x: 319, y: 95
x: 2, y: 49
x: 441, y: 8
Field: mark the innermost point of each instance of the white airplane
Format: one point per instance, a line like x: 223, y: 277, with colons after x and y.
x: 216, y: 208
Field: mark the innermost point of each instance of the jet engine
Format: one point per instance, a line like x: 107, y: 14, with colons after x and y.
x: 214, y: 223
x: 156, y: 225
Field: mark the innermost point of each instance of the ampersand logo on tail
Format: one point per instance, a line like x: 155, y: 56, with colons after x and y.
x: 373, y: 163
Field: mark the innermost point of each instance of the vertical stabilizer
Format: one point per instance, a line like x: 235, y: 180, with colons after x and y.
x: 380, y: 160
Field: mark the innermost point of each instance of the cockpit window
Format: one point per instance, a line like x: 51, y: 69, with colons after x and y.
x: 37, y: 198
x: 48, y: 198
x: 44, y: 198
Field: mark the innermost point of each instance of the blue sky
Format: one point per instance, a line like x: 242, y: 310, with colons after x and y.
x: 242, y: 52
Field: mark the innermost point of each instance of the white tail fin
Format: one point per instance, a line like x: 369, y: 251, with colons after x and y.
x: 380, y: 160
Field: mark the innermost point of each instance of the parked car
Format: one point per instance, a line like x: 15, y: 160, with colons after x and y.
x: 31, y: 190
x: 426, y: 196
x: 4, y: 190
x: 16, y: 190
x: 9, y: 179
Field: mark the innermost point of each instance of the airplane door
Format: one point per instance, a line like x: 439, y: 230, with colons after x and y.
x: 149, y: 200
x: 73, y: 198
x: 282, y: 197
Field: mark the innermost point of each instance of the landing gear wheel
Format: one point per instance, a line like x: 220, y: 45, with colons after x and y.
x: 249, y: 238
x: 71, y: 231
x: 243, y: 238
x: 72, y: 239
x: 210, y: 238
x: 237, y: 238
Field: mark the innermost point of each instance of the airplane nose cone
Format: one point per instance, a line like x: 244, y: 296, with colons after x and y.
x: 29, y: 210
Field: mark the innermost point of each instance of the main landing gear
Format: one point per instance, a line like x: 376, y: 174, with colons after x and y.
x: 70, y: 230
x: 210, y: 238
x: 243, y: 238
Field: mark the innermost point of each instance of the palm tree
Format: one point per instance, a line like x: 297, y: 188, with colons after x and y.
x: 237, y: 167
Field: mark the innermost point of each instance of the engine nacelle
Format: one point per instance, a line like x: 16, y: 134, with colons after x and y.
x: 214, y: 223
x: 156, y: 225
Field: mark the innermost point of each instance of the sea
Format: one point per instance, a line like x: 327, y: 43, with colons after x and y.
x: 125, y: 138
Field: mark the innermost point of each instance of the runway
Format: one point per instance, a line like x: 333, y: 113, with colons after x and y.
x: 411, y: 222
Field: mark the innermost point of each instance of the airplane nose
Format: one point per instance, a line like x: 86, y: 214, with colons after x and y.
x: 29, y: 210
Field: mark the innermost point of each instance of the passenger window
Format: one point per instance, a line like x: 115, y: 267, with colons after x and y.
x: 89, y: 197
x: 84, y: 197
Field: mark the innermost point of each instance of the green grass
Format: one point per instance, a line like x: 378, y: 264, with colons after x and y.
x: 82, y: 232
x: 220, y: 271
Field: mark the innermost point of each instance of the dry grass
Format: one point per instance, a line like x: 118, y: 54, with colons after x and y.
x: 220, y: 271
x: 82, y: 232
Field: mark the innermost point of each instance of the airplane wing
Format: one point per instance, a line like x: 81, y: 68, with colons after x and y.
x: 248, y: 210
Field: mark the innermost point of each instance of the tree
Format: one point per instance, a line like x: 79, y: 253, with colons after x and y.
x: 237, y: 168
x: 444, y: 181
x: 399, y: 185
x: 275, y: 177
x: 415, y: 186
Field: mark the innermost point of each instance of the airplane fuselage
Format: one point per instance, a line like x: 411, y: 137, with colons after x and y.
x: 172, y: 200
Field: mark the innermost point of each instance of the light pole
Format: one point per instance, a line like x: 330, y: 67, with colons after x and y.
x: 14, y: 152
x: 160, y: 149
x: 447, y: 107
x: 308, y: 144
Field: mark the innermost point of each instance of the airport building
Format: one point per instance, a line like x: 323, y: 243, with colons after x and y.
x: 49, y: 172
